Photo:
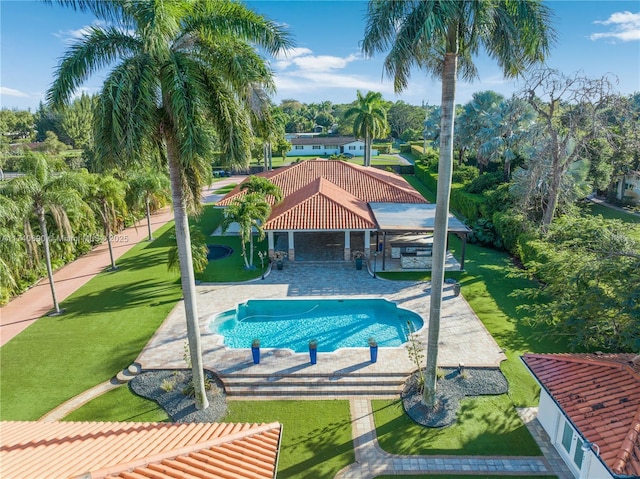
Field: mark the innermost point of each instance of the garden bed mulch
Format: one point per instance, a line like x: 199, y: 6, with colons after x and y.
x: 166, y: 388
x: 451, y: 388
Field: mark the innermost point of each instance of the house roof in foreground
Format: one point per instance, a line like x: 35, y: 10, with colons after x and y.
x: 330, y: 194
x: 600, y: 394
x: 138, y: 450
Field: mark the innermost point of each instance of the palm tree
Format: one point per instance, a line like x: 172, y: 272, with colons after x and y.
x: 181, y: 67
x: 262, y: 186
x: 46, y: 193
x: 250, y: 212
x: 369, y: 120
x: 441, y: 37
x: 147, y: 189
x: 106, y: 199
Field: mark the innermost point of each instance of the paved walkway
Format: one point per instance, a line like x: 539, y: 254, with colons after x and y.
x: 34, y: 303
x: 372, y: 461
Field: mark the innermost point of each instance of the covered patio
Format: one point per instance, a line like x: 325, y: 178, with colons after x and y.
x: 404, y: 236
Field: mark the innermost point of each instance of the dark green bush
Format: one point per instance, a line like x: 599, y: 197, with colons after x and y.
x: 484, y: 182
x: 484, y: 232
x: 465, y: 174
x: 509, y: 226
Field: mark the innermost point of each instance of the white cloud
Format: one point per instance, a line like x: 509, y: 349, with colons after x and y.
x: 69, y: 36
x: 626, y: 27
x: 5, y: 91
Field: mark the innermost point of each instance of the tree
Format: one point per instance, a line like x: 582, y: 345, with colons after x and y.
x: 441, y: 36
x: 402, y: 116
x: 76, y: 120
x: 571, y: 115
x: 148, y: 190
x: 473, y: 120
x: 369, y: 118
x: 106, y: 198
x: 590, y: 274
x: 46, y: 194
x: 248, y: 211
x: 262, y: 186
x: 181, y: 66
x: 507, y: 131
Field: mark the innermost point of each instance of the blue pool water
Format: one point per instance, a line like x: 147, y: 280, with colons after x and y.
x: 335, y: 323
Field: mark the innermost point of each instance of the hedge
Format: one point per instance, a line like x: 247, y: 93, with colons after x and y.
x: 532, y: 250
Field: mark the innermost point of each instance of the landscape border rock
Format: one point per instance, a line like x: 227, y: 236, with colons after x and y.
x: 165, y: 387
x: 451, y: 388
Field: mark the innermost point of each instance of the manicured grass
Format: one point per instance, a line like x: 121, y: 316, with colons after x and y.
x: 120, y: 405
x: 610, y: 213
x: 485, y: 426
x: 232, y: 268
x: 106, y: 324
x: 471, y: 476
x: 423, y: 190
x: 225, y: 189
x: 316, y: 435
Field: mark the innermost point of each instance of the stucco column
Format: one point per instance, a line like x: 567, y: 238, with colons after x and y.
x: 347, y: 245
x: 367, y: 243
x: 270, y: 243
x: 292, y: 249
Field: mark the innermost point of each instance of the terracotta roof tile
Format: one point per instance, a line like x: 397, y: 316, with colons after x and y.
x: 330, y: 194
x: 601, y: 396
x: 321, y: 205
x: 138, y: 450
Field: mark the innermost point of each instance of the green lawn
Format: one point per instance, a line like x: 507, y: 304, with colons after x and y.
x: 471, y: 476
x: 107, y: 323
x: 316, y: 438
x: 610, y: 213
x: 485, y: 426
x: 120, y: 405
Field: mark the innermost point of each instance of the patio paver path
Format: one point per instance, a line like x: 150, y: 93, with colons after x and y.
x: 372, y: 461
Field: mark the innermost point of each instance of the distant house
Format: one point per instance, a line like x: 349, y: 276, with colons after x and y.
x: 590, y: 407
x: 96, y: 450
x: 327, y: 145
x: 628, y: 187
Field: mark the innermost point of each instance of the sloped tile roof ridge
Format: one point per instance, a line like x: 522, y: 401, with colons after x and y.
x: 117, y: 469
x: 628, y: 459
x: 614, y: 360
x: 319, y: 188
x: 621, y: 452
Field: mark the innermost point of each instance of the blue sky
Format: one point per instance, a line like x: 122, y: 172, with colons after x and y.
x: 595, y: 37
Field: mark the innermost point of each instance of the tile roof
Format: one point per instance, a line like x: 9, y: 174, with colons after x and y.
x: 331, y: 194
x: 600, y: 394
x: 321, y: 205
x: 126, y: 450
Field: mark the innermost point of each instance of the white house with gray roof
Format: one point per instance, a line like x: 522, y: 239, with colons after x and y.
x: 327, y: 145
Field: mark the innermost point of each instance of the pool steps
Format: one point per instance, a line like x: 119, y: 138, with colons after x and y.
x: 296, y: 385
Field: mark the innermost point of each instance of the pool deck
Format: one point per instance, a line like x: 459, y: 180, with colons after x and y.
x: 463, y: 338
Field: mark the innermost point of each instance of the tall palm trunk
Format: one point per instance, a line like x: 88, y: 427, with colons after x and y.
x: 148, y: 217
x: 47, y: 257
x: 441, y: 221
x: 183, y: 241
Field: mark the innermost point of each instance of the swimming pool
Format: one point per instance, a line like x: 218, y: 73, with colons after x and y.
x: 335, y: 323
